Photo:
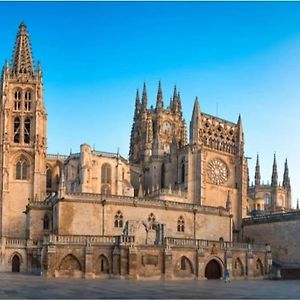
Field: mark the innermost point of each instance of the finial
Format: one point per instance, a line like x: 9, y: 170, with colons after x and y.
x: 22, y: 26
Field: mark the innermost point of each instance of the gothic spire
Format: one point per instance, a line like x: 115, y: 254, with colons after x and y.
x: 137, y: 98
x: 175, y: 95
x: 274, y: 181
x: 159, y: 100
x: 144, y: 97
x: 195, y: 124
x: 240, y: 136
x: 286, y: 179
x: 257, y: 172
x: 137, y: 105
x: 22, y: 62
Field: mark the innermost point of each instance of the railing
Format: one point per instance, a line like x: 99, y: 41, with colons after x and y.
x: 80, y: 239
x: 168, y: 192
x: 12, y: 243
x: 273, y: 217
x: 199, y: 243
x: 125, y: 240
x: 57, y: 156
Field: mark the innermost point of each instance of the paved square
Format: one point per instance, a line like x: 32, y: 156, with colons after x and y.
x: 35, y: 287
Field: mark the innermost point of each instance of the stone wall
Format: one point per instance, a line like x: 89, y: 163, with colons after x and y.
x: 91, y: 257
x: 281, y: 231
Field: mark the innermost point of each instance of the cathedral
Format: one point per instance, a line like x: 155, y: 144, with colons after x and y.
x: 173, y: 210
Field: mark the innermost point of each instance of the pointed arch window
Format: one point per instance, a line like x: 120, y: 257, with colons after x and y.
x: 119, y: 220
x: 106, y: 174
x: 180, y: 224
x: 163, y: 174
x: 183, y: 170
x: 27, y: 103
x: 22, y: 169
x: 17, y: 126
x: 27, y: 131
x: 46, y: 222
x: 48, y: 179
x: 17, y: 100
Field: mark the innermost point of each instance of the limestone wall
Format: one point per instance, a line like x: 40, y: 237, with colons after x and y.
x: 281, y: 232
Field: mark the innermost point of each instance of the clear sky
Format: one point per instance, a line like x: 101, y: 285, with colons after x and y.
x: 242, y: 57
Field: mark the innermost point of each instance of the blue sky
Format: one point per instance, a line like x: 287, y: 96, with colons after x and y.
x: 243, y: 57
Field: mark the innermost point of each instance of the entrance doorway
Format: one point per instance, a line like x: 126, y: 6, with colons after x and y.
x: 213, y: 270
x: 15, y: 264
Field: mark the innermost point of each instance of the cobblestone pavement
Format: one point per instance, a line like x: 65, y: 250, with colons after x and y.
x: 34, y: 287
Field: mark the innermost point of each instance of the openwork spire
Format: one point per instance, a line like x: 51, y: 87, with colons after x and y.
x: 257, y: 172
x: 274, y: 173
x: 286, y: 178
x: 22, y: 62
x: 159, y: 100
x: 144, y: 97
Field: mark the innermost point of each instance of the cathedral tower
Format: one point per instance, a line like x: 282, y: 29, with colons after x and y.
x: 153, y: 129
x: 23, y: 137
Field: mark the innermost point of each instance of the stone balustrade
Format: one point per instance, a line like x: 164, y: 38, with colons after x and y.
x: 199, y: 243
x: 80, y: 240
x: 14, y: 243
x: 57, y: 156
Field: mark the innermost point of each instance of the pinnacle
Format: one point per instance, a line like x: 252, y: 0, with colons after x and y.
x: 22, y: 58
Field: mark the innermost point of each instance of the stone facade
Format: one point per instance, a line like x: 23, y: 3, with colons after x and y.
x: 174, y: 210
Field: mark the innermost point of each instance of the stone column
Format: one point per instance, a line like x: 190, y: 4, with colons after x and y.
x: 228, y: 260
x: 249, y: 258
x: 116, y: 268
x: 133, y: 270
x: 268, y: 262
x: 88, y: 259
x: 200, y: 267
x: 51, y: 261
x: 168, y: 266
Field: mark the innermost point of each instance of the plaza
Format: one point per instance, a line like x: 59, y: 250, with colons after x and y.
x: 17, y: 286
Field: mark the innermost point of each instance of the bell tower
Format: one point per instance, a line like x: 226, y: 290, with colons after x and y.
x: 22, y: 137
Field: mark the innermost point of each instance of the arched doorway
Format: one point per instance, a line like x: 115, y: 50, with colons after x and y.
x: 103, y: 265
x: 213, y: 270
x: 15, y: 263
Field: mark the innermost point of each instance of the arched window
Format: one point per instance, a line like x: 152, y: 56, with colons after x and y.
x: 22, y: 169
x: 183, y: 263
x: 151, y: 220
x: 182, y: 170
x: 162, y: 176
x: 48, y: 179
x: 27, y: 101
x: 119, y: 220
x: 17, y: 130
x: 46, y: 222
x: 17, y: 100
x: 180, y: 224
x: 106, y: 173
x: 27, y: 131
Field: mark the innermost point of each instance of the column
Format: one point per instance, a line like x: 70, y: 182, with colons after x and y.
x: 200, y: 267
x: 168, y: 265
